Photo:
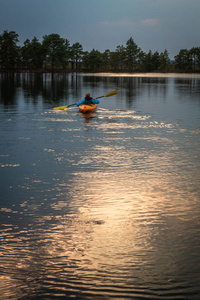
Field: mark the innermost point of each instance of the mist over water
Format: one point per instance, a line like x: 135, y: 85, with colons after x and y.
x: 105, y: 206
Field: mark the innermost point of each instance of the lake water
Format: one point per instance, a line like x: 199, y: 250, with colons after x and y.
x: 105, y: 206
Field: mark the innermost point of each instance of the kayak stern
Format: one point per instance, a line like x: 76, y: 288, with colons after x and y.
x: 83, y: 108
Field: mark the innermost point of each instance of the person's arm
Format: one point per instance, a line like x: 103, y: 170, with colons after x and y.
x: 81, y: 102
x: 95, y: 101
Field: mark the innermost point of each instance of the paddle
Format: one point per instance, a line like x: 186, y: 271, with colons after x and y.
x: 64, y: 107
x: 109, y: 94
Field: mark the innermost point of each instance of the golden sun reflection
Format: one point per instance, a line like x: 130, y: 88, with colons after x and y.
x: 120, y: 212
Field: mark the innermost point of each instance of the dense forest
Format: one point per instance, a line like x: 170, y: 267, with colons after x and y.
x: 55, y: 53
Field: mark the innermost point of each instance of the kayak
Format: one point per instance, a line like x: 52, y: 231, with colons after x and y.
x: 84, y: 108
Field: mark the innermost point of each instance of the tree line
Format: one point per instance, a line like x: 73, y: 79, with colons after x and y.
x: 55, y: 52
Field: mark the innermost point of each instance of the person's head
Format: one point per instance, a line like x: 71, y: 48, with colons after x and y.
x: 87, y: 95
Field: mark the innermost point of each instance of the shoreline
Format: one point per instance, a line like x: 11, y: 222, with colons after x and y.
x: 118, y: 73
x: 148, y: 74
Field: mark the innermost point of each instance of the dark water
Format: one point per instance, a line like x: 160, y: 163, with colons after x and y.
x: 106, y: 207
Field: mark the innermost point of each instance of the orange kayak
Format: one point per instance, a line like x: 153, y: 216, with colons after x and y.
x: 87, y: 108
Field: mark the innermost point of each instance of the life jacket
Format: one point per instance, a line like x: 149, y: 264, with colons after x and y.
x: 88, y: 100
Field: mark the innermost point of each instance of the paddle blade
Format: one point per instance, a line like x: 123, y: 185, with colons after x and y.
x: 63, y: 107
x: 111, y: 94
x: 60, y: 108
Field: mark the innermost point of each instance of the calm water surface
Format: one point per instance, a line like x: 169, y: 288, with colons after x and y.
x: 105, y: 207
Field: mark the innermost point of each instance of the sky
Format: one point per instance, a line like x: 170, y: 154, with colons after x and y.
x: 154, y: 25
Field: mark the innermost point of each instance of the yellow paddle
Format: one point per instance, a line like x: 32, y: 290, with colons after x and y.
x: 109, y: 94
x: 64, y: 107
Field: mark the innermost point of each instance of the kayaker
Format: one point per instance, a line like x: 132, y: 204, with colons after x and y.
x: 88, y: 100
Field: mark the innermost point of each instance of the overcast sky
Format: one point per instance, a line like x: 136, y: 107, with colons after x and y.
x: 104, y: 24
